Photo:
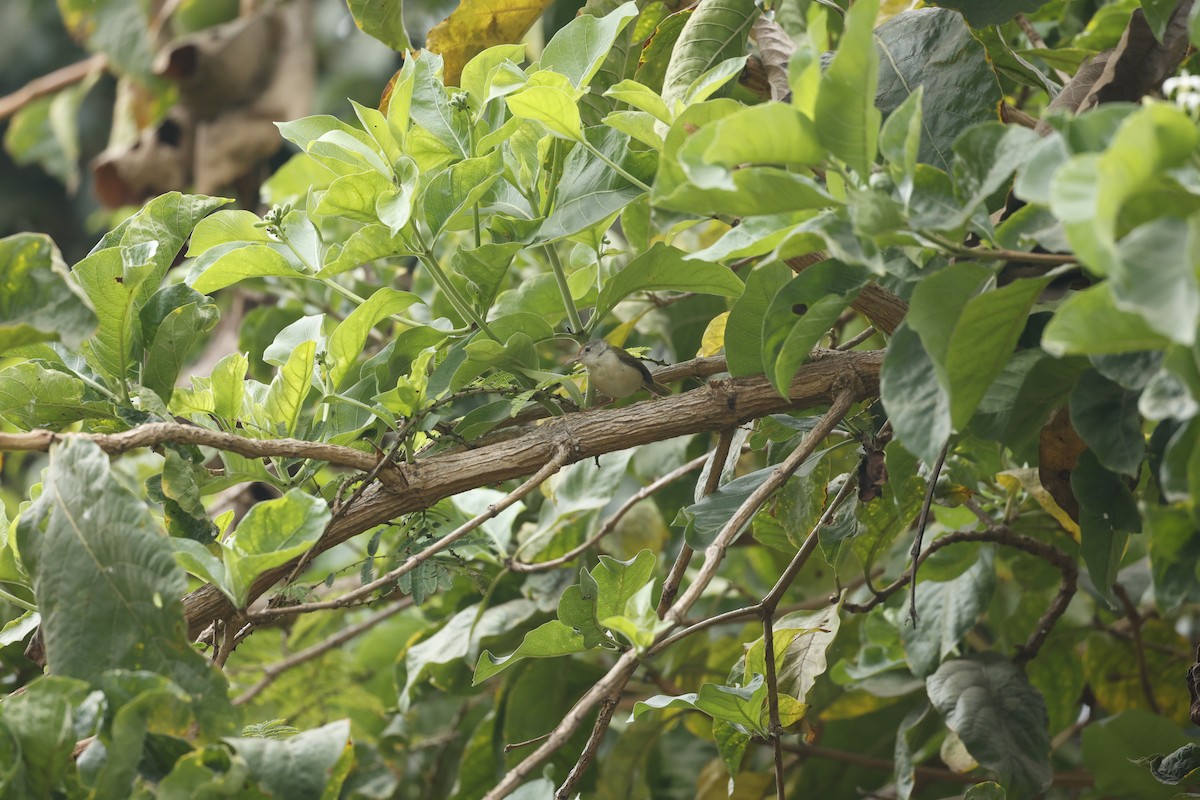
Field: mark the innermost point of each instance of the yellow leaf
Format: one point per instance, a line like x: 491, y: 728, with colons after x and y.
x: 714, y: 336
x: 1027, y: 479
x: 477, y: 25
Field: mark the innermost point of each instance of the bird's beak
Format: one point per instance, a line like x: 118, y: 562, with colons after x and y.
x: 573, y: 359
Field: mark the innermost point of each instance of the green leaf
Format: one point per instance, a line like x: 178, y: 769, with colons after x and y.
x: 173, y: 337
x: 1001, y: 719
x: 86, y: 523
x: 737, y: 705
x: 642, y: 98
x: 300, y: 767
x: 1106, y: 417
x: 1108, y: 513
x: 1090, y: 323
x: 801, y: 313
x: 460, y: 638
x: 900, y: 139
x: 707, y: 516
x: 347, y: 340
x: 144, y: 703
x: 847, y: 120
x: 289, y: 387
x: 431, y: 107
x: 549, y: 640
x: 1113, y: 746
x: 715, y: 31
x: 383, y: 19
x: 485, y: 267
x: 804, y: 659
x: 37, y: 728
x: 549, y: 98
x: 771, y: 133
x: 35, y: 394
x: 618, y: 581
x: 1154, y: 275
x: 1175, y: 767
x: 916, y: 403
x: 456, y: 189
x: 227, y: 264
x: 578, y: 48
x: 38, y: 300
x: 743, y: 330
x: 112, y: 278
x: 664, y: 268
x: 959, y: 86
x: 273, y: 532
x: 946, y: 612
x: 1174, y: 544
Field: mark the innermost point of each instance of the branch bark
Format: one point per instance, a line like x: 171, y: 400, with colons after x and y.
x: 719, y: 404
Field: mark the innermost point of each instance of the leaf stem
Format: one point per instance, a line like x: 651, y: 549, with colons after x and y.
x: 615, y: 166
x: 560, y: 277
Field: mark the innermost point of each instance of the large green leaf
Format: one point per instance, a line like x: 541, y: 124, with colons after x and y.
x: 174, y: 322
x: 302, y: 767
x: 579, y: 47
x: 36, y: 394
x: 932, y: 48
x: 1090, y: 323
x: 549, y: 640
x: 1108, y: 514
x: 986, y: 700
x: 917, y: 405
x: 38, y: 728
x: 347, y: 340
x: 744, y: 328
x: 129, y: 615
x: 39, y: 302
x: 664, y: 268
x: 847, y: 120
x: 591, y: 191
x: 946, y: 612
x: 1154, y: 275
x: 801, y: 313
x: 1113, y: 746
x: 1105, y: 416
x: 715, y: 31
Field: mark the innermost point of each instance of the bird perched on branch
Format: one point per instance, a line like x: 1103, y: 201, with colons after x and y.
x: 613, y: 372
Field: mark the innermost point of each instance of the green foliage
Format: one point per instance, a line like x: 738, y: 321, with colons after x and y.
x: 403, y: 312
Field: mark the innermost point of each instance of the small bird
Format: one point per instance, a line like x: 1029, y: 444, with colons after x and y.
x: 613, y: 372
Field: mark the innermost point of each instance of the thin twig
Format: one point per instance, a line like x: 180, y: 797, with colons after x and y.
x: 415, y: 560
x: 714, y: 554
x: 610, y: 524
x: 50, y: 83
x: 671, y: 585
x: 775, y: 726
x: 273, y: 671
x: 1039, y: 43
x: 1004, y: 536
x: 1139, y: 649
x: 923, y: 521
x: 617, y: 676
x: 858, y: 339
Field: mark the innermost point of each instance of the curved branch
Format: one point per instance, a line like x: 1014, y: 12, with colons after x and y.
x: 157, y: 433
x: 1000, y: 535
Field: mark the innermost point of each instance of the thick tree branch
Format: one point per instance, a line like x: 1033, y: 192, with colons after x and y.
x: 719, y: 404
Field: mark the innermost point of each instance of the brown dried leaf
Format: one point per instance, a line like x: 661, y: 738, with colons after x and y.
x: 1059, y: 447
x: 775, y: 48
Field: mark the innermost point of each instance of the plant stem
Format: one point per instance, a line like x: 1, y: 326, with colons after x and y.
x: 615, y: 166
x: 458, y: 301
x: 560, y: 277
